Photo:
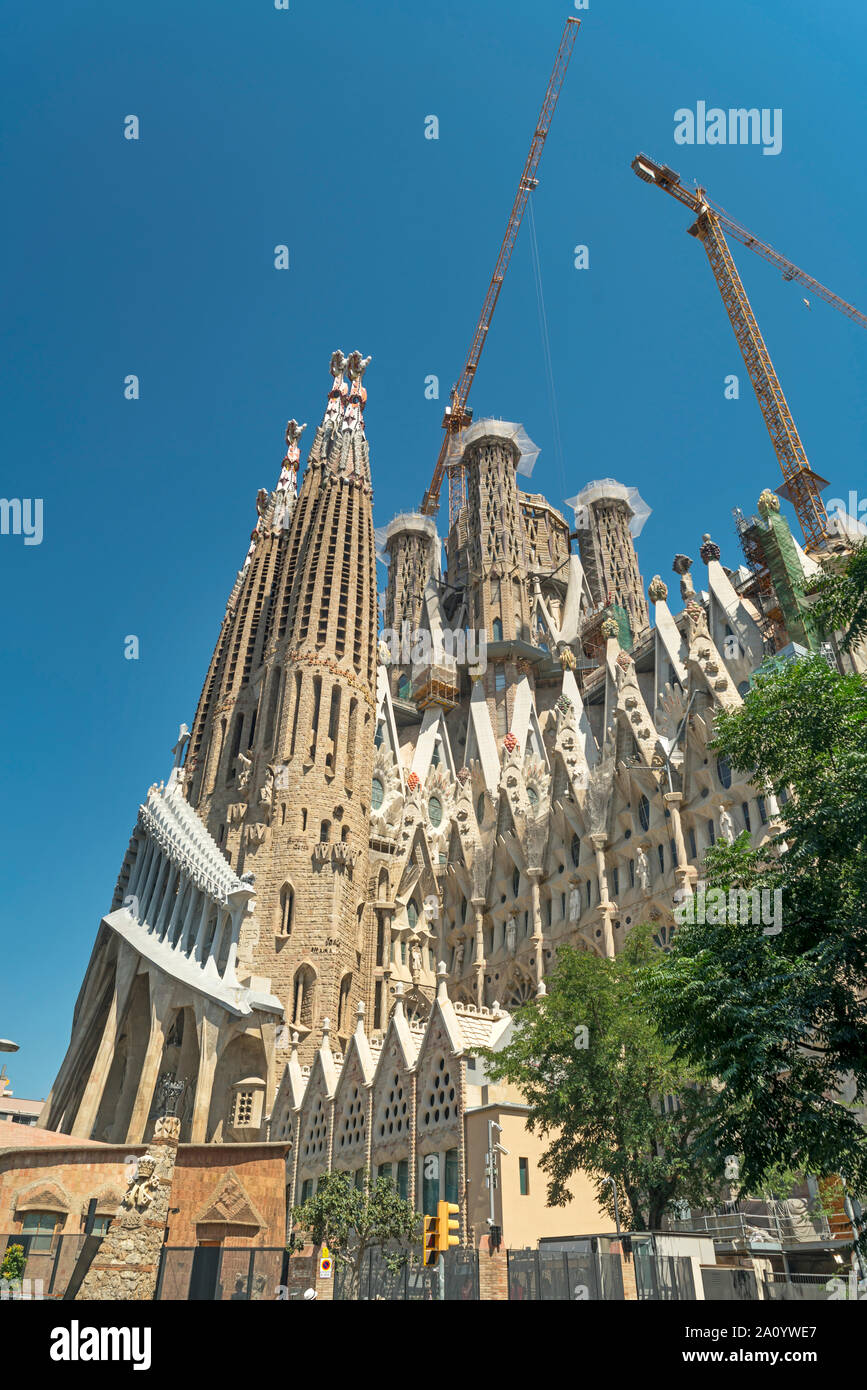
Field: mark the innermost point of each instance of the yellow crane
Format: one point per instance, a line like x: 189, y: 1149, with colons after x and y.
x: 801, y: 485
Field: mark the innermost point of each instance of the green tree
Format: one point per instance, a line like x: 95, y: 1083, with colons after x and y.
x: 352, y: 1220
x: 598, y: 1096
x: 841, y: 600
x: 12, y: 1267
x: 781, y: 1020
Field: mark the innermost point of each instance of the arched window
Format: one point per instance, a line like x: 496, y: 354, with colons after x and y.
x: 343, y: 1006
x: 724, y: 771
x: 285, y: 910
x: 302, y: 997
x: 516, y: 882
x: 745, y: 808
x: 575, y: 850
x: 644, y: 812
x: 412, y: 912
x: 497, y: 630
x: 435, y: 811
x: 404, y: 688
x: 325, y: 832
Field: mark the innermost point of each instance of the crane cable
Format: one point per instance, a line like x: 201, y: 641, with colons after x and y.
x: 546, y: 345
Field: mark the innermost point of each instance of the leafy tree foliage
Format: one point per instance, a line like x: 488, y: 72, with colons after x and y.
x: 781, y: 1020
x: 598, y: 1096
x: 351, y: 1221
x: 841, y: 600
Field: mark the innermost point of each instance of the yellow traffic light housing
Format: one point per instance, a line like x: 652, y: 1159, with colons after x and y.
x: 430, y: 1241
x: 448, y: 1225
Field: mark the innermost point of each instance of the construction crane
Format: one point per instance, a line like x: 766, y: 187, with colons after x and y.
x: 457, y: 416
x: 801, y: 486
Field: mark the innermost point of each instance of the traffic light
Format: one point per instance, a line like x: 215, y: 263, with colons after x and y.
x: 430, y: 1244
x: 448, y: 1226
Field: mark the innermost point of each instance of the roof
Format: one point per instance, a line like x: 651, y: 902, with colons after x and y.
x: 15, y: 1136
x: 15, y: 1106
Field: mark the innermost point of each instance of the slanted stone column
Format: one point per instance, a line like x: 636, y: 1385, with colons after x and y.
x: 606, y: 909
x: 479, y: 961
x: 88, y: 1110
x: 127, y: 1263
x: 534, y: 876
x: 684, y: 873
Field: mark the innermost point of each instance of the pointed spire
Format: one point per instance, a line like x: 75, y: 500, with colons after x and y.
x: 398, y: 1001
x: 442, y: 982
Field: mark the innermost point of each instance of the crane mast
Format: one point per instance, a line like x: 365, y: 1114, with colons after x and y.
x: 801, y: 485
x: 457, y: 415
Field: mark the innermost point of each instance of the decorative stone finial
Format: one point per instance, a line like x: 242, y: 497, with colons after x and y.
x: 359, y: 1016
x: 442, y: 981
x: 657, y: 590
x: 510, y: 743
x: 768, y: 502
x: 709, y: 550
x: 567, y: 658
x: 610, y: 628
x: 681, y: 564
x: 326, y: 1029
x: 463, y: 775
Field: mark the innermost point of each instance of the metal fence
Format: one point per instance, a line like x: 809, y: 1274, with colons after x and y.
x: 726, y: 1283
x: 222, y: 1274
x: 412, y: 1282
x: 662, y: 1278
x: 811, y: 1288
x: 47, y: 1272
x: 566, y: 1275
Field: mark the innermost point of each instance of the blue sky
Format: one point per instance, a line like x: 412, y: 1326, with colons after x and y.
x: 155, y: 257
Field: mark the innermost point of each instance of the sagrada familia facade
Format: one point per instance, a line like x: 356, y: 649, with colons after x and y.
x: 370, y: 847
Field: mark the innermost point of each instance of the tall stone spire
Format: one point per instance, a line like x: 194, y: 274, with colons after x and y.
x: 282, y: 744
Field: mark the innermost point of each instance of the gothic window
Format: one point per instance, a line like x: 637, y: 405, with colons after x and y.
x: 302, y: 999
x: 763, y: 810
x: 343, y: 1006
x: 745, y: 807
x: 285, y: 911
x: 516, y: 882
x: 693, y: 848
x: 575, y: 850
x: 273, y: 698
x: 644, y: 812
x: 325, y: 832
x: 438, y: 1101
x: 711, y: 833
x: 724, y: 771
x: 497, y: 630
x: 661, y: 854
x: 393, y: 1118
x: 615, y: 881
x: 632, y: 873
x: 412, y: 912
x: 435, y: 811
x: 333, y: 725
x: 352, y: 1124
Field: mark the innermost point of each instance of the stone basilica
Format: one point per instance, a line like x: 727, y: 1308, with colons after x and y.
x: 368, y: 851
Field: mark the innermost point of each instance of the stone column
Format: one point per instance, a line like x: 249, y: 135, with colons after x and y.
x: 684, y: 872
x: 183, y: 940
x: 88, y: 1109
x: 154, y: 871
x: 605, y: 908
x: 534, y: 876
x: 207, y: 904
x: 149, y: 1071
x: 479, y: 962
x: 137, y: 875
x: 208, y: 1036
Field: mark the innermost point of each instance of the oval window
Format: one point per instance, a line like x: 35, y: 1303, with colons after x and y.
x: 377, y: 794
x: 435, y: 811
